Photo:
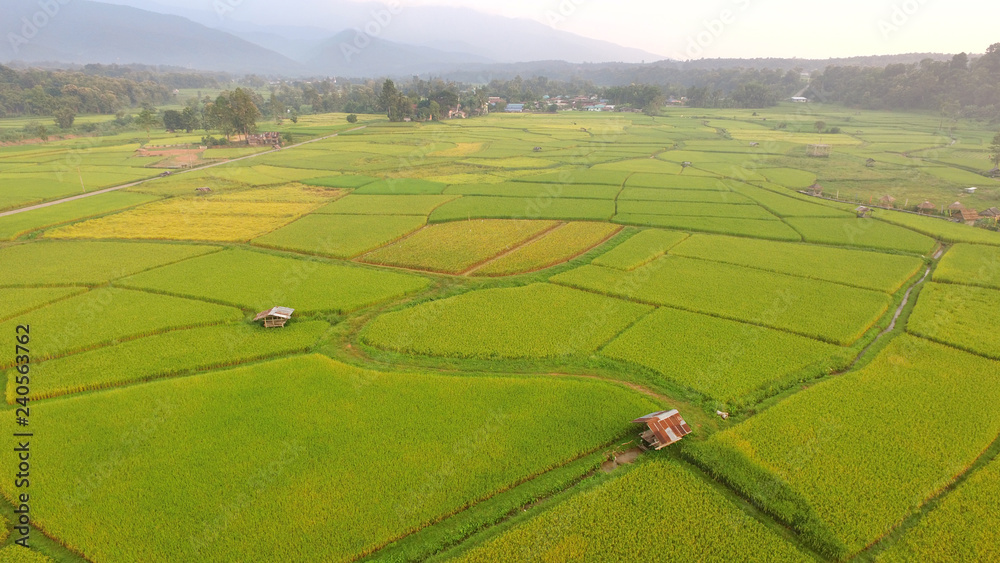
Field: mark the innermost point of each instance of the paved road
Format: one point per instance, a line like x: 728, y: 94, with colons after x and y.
x: 106, y: 190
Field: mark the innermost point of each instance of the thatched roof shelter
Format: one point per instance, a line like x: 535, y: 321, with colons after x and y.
x: 863, y: 212
x: 887, y: 200
x: 926, y: 207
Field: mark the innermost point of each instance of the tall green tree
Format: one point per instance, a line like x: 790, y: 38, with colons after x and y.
x: 147, y: 120
x: 64, y: 117
x: 995, y: 151
x: 245, y: 112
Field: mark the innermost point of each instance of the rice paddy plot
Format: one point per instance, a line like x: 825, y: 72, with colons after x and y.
x: 536, y: 321
x: 166, y: 354
x: 724, y: 360
x: 858, y: 268
x: 691, y: 196
x: 640, y: 249
x: 537, y: 190
x: 645, y: 166
x: 862, y: 233
x: 694, y: 209
x: 17, y: 554
x: 22, y: 223
x: 626, y: 518
x: 18, y: 300
x: 258, y: 281
x: 825, y: 453
x: 970, y: 264
x: 401, y: 186
x: 769, y: 229
x: 303, y: 429
x: 674, y: 182
x: 456, y: 247
x: 833, y: 313
x: 579, y: 176
x: 196, y: 219
x: 789, y: 177
x: 340, y: 236
x: 421, y: 205
x: 346, y: 181
x: 87, y: 263
x: 555, y: 247
x: 939, y: 228
x: 962, y: 528
x: 787, y: 205
x: 289, y: 193
x: 953, y: 315
x: 542, y: 207
x: 106, y: 316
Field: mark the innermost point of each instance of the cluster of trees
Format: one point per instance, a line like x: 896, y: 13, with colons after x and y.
x: 66, y: 94
x: 960, y: 87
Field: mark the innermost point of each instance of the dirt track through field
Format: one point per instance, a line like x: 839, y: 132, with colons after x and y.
x: 122, y: 187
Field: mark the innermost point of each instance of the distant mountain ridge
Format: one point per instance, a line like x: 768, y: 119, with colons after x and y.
x: 454, y: 43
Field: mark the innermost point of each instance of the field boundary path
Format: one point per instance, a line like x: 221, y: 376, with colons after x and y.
x: 205, y: 167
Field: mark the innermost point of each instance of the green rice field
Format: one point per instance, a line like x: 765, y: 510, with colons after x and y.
x: 475, y: 326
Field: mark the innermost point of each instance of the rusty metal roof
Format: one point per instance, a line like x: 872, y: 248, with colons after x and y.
x: 280, y: 312
x: 667, y: 427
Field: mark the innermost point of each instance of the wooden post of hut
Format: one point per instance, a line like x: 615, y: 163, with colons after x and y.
x: 820, y: 151
x: 275, y: 317
x: 665, y: 428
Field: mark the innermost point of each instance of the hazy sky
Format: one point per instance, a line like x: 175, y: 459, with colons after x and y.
x: 735, y: 28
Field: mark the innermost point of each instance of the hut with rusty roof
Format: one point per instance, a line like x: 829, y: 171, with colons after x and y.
x: 276, y: 317
x: 665, y: 428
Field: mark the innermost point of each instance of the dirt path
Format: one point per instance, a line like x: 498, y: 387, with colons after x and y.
x: 207, y: 166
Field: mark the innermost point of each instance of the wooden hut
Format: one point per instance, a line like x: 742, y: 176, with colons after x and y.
x: 994, y: 173
x: 968, y: 216
x: 887, y: 201
x: 275, y: 317
x: 863, y: 212
x: 816, y: 190
x: 992, y: 213
x: 204, y: 191
x: 870, y: 163
x: 820, y: 151
x: 686, y: 164
x: 956, y: 208
x: 926, y: 207
x: 665, y: 428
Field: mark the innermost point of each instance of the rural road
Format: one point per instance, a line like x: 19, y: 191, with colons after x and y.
x: 123, y: 186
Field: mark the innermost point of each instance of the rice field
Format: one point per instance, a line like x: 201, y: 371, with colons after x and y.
x: 259, y: 460
x: 555, y: 247
x: 722, y: 359
x: 457, y: 247
x: 257, y: 281
x: 862, y: 436
x: 833, y: 313
x: 536, y: 321
x: 428, y: 261
x: 340, y: 236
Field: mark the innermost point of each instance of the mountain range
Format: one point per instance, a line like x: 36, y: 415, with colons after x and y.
x: 340, y: 38
x: 337, y: 42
